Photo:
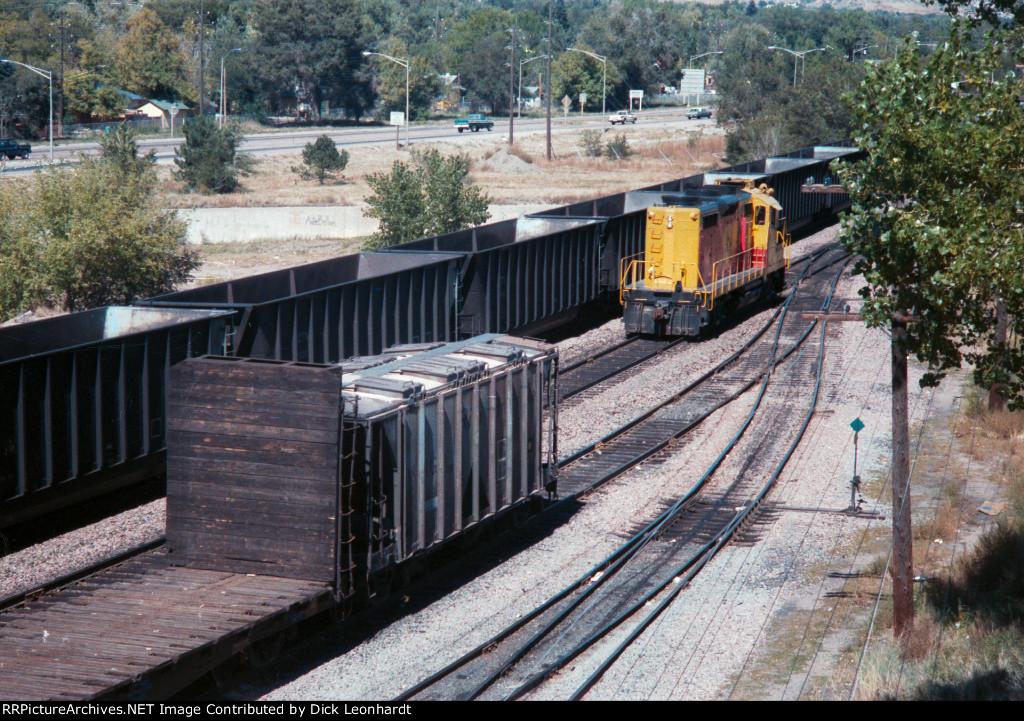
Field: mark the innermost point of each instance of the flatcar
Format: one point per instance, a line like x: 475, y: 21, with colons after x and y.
x: 707, y: 252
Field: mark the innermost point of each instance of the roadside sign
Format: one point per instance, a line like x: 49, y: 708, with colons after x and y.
x: 583, y: 101
x: 174, y: 110
x: 857, y: 425
x: 636, y: 94
x: 397, y: 118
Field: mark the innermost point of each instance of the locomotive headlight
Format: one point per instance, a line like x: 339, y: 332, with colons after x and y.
x: 669, y: 224
x: 693, y: 215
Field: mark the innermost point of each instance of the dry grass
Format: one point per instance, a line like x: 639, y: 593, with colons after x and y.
x: 662, y: 152
x: 967, y: 642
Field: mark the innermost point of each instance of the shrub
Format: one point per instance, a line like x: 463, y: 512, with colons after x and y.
x: 618, y: 147
x: 432, y: 196
x: 208, y: 160
x: 321, y: 160
x: 591, y: 142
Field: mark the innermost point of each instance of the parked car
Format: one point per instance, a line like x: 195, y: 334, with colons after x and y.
x: 474, y: 122
x: 13, y: 149
x: 622, y: 117
x: 697, y: 113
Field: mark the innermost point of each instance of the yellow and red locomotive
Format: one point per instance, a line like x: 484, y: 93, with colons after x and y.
x: 707, y: 252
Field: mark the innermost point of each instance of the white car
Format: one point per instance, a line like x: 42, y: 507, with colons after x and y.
x: 623, y: 117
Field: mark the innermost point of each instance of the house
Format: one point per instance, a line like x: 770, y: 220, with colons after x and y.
x: 162, y: 109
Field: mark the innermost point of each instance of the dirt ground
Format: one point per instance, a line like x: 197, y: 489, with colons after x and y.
x: 663, y: 150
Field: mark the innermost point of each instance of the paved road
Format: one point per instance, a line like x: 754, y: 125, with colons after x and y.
x: 289, y: 141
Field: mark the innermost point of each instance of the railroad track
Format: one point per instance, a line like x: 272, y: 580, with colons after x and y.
x: 627, y: 591
x: 586, y: 374
x: 573, y: 486
x: 153, y: 551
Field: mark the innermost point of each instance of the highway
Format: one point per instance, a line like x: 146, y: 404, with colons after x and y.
x: 290, y: 141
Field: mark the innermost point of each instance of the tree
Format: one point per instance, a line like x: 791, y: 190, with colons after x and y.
x: 321, y: 160
x: 937, y: 203
x: 453, y: 202
x: 317, y: 44
x: 87, y: 98
x: 119, y: 147
x: 423, y: 82
x: 149, y: 58
x: 208, y: 160
x: 478, y: 43
x: 573, y: 73
x: 431, y: 197
x: 398, y: 203
x: 87, y: 237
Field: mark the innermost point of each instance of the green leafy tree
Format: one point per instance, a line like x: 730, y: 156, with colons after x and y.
x: 18, y: 262
x: 149, y: 58
x: 430, y: 197
x: 478, y: 44
x: 937, y: 203
x: 119, y: 147
x: 93, y: 236
x: 208, y: 161
x: 321, y: 160
x: 398, y: 203
x: 87, y: 98
x: 314, y: 43
x: 453, y: 202
x: 573, y: 73
x: 424, y: 83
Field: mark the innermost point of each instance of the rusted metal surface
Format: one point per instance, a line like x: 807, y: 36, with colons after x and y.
x: 143, y: 630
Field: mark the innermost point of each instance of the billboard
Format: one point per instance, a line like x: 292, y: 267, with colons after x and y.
x: 691, y: 82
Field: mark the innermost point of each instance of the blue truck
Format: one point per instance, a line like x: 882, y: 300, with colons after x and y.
x: 474, y: 122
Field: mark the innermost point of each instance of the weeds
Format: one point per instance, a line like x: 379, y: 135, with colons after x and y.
x: 967, y: 642
x: 591, y: 142
x: 618, y: 148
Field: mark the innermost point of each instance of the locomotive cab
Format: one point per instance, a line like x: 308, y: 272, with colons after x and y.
x: 720, y: 245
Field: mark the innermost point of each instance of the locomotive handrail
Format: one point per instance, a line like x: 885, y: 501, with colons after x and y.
x: 630, y: 263
x: 733, y: 279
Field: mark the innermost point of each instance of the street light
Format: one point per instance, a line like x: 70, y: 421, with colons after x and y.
x: 404, y: 64
x: 604, y: 73
x: 520, y: 94
x: 798, y: 55
x: 223, y: 100
x: 49, y: 76
x: 704, y: 55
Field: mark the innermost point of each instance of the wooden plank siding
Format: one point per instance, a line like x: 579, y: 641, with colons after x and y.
x: 252, y: 467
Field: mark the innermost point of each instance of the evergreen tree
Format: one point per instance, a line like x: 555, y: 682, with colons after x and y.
x: 208, y: 161
x: 321, y: 160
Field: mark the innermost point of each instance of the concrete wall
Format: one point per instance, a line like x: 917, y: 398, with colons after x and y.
x: 241, y: 225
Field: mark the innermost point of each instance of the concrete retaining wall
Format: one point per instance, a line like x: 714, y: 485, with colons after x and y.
x: 241, y: 225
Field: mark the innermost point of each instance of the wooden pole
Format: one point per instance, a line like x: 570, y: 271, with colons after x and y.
x: 995, y: 398
x: 902, y: 567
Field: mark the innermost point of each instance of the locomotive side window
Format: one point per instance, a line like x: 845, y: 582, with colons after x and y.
x: 771, y: 217
x: 709, y: 221
x: 759, y: 218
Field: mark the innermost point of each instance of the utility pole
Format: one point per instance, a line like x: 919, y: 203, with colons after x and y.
x: 902, y: 568
x: 202, y: 58
x: 511, y: 80
x: 995, y: 398
x: 62, y: 37
x: 548, y: 103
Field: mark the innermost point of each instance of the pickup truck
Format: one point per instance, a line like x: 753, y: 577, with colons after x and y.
x: 13, y: 149
x: 623, y: 117
x: 474, y: 122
